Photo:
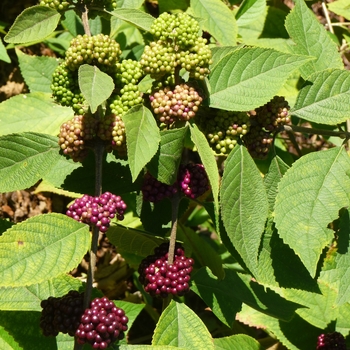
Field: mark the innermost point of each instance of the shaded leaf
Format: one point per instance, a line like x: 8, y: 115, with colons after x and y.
x: 136, y: 17
x: 237, y: 341
x: 250, y: 11
x: 3, y: 53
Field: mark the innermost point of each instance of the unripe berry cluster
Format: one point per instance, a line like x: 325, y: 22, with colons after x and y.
x: 160, y: 278
x: 61, y: 314
x: 128, y: 72
x: 128, y: 97
x: 331, y: 341
x: 65, y: 89
x: 97, y: 210
x: 74, y: 134
x: 59, y: 5
x: 154, y: 190
x: 177, y: 44
x: 99, y: 50
x: 193, y: 180
x: 258, y: 142
x: 181, y: 103
x: 223, y: 128
x: 102, y: 324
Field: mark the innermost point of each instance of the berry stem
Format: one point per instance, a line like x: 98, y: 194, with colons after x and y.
x: 85, y: 20
x: 175, y: 200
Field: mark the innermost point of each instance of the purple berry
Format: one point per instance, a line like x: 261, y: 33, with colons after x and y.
x: 154, y: 190
x: 331, y: 341
x: 193, y: 180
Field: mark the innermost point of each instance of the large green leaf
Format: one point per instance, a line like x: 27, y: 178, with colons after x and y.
x: 29, y: 298
x: 95, y: 85
x: 250, y: 11
x: 340, y: 7
x: 237, y: 342
x: 178, y: 325
x: 244, y: 204
x: 136, y: 17
x: 142, y: 137
x: 216, y: 16
x: 7, y: 342
x: 250, y: 77
x: 33, y: 24
x: 311, y: 39
x: 165, y: 163
x: 37, y: 71
x: 209, y: 162
x: 35, y: 112
x: 3, y: 53
x: 42, y: 247
x: 25, y: 158
x: 310, y: 195
x: 325, y: 98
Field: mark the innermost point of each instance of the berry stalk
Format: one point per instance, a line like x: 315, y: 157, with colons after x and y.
x: 174, y: 212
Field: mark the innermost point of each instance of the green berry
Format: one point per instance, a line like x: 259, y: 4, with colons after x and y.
x: 128, y: 72
x: 59, y: 5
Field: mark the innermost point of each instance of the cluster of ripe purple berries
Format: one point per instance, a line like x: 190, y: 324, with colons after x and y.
x: 160, y: 278
x: 192, y: 182
x: 102, y: 324
x: 97, y: 210
x: 331, y: 341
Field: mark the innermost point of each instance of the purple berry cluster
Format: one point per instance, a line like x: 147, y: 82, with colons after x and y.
x: 61, y: 314
x: 154, y: 190
x: 193, y: 180
x: 97, y: 210
x: 160, y: 278
x: 179, y: 104
x: 102, y: 324
x: 331, y: 341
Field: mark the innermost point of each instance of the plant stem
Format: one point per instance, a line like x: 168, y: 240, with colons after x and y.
x: 295, y: 128
x: 85, y: 20
x: 174, y: 211
x: 325, y: 11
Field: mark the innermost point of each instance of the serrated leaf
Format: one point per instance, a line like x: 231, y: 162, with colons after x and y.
x: 7, y: 342
x: 340, y: 7
x: 325, y: 98
x: 220, y: 52
x: 208, y: 159
x: 95, y: 85
x: 25, y: 158
x: 136, y: 17
x: 165, y: 163
x: 244, y: 204
x: 178, y: 325
x: 250, y: 11
x: 37, y: 71
x: 132, y: 310
x: 142, y: 137
x: 41, y: 247
x: 35, y: 112
x: 310, y: 195
x: 34, y: 24
x: 311, y: 39
x: 130, y: 4
x: 29, y: 298
x: 216, y: 15
x: 237, y: 342
x: 3, y: 53
x: 149, y: 347
x: 250, y: 77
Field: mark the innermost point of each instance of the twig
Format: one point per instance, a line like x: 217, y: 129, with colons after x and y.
x: 85, y: 20
x: 295, y: 128
x: 325, y: 11
x: 294, y: 142
x: 338, y: 24
x: 174, y: 212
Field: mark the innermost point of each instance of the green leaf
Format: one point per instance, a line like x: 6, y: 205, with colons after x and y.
x: 218, y: 53
x: 165, y: 163
x: 209, y: 162
x: 237, y: 342
x: 136, y: 17
x: 142, y: 137
x: 179, y: 326
x: 244, y: 204
x: 216, y: 16
x: 3, y: 53
x: 250, y: 77
x: 310, y: 195
x: 340, y: 7
x: 250, y: 11
x: 95, y: 85
x: 325, y: 98
x: 7, y: 342
x: 29, y: 298
x: 25, y: 158
x: 168, y: 5
x: 34, y: 24
x: 203, y: 253
x: 35, y: 112
x: 311, y: 39
x: 149, y: 347
x: 276, y: 171
x: 41, y: 247
x: 37, y: 71
x: 130, y: 4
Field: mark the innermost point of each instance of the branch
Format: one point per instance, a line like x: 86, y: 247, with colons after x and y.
x: 295, y: 128
x: 85, y: 20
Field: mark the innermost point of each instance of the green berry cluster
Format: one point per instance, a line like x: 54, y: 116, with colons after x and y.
x: 265, y: 121
x: 99, y: 50
x: 59, y: 5
x: 65, y: 89
x: 177, y: 44
x: 75, y: 133
x: 128, y: 97
x: 180, y: 103
x: 128, y: 72
x: 223, y: 128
